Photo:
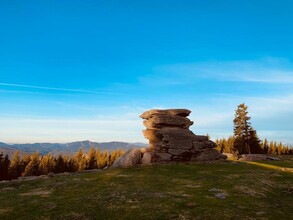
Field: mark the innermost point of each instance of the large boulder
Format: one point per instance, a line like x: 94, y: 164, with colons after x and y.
x: 171, y: 140
x: 131, y: 158
x: 253, y: 157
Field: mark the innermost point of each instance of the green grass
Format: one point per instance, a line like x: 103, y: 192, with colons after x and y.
x: 176, y: 191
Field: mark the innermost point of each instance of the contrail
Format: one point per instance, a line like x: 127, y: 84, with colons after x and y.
x: 59, y: 89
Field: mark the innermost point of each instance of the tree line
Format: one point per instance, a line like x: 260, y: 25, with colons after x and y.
x: 226, y: 145
x: 245, y: 139
x: 35, y: 164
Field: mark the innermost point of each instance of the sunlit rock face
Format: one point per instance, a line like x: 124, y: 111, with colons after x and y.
x: 171, y: 140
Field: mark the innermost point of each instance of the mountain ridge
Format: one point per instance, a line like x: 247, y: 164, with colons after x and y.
x: 66, y: 148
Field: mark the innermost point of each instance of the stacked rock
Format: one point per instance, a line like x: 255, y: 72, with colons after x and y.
x: 171, y: 140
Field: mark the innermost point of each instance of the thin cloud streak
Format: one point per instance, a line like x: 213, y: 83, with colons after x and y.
x: 267, y: 70
x: 59, y: 89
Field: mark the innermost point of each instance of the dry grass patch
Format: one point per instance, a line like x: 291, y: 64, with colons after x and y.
x: 5, y: 210
x: 247, y: 190
x: 37, y: 192
x: 7, y: 189
x: 193, y: 186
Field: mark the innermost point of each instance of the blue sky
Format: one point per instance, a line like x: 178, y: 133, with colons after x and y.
x: 77, y: 70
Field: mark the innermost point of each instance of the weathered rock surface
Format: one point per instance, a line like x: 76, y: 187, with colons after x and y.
x: 255, y: 157
x: 171, y: 140
x: 146, y: 158
x: 131, y: 158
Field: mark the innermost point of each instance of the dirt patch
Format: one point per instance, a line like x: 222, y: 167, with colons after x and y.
x: 193, y: 186
x: 7, y: 189
x: 5, y: 210
x: 267, y: 182
x: 232, y: 176
x: 250, y: 191
x: 158, y: 195
x: 186, y: 195
x: 37, y: 192
x: 175, y: 193
x: 89, y: 179
x: 122, y: 175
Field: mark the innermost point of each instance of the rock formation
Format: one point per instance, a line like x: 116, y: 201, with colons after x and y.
x: 171, y: 140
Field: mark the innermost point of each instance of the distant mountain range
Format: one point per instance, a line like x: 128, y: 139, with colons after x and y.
x: 69, y: 148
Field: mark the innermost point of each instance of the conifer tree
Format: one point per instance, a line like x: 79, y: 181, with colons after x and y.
x: 60, y: 165
x: 103, y: 160
x: 279, y: 148
x: 223, y: 146
x: 98, y: 157
x: 254, y: 142
x: 80, y: 160
x: 15, y: 168
x: 218, y: 147
x: 92, y: 163
x: 241, y: 129
x: 47, y: 164
x: 230, y: 144
x: 246, y: 139
x: 33, y: 166
x: 72, y: 166
x: 265, y: 146
x: 272, y: 148
x: 4, y: 165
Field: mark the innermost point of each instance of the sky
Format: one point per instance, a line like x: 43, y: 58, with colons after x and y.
x: 85, y: 70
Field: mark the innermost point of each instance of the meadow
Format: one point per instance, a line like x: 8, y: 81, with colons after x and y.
x: 214, y: 190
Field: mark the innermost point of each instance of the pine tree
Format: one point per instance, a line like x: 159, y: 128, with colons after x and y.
x: 254, y: 142
x: 60, y: 165
x: 80, y: 160
x: 46, y: 165
x: 15, y: 168
x: 217, y: 142
x: 279, y: 148
x: 98, y: 157
x: 246, y: 139
x: 33, y: 166
x: 272, y: 148
x: 230, y: 144
x: 4, y: 165
x: 241, y: 129
x: 224, y: 146
x: 92, y: 163
x: 265, y: 146
x: 103, y: 160
x: 71, y: 166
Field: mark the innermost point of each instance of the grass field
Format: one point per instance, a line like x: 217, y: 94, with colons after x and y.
x: 220, y: 190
